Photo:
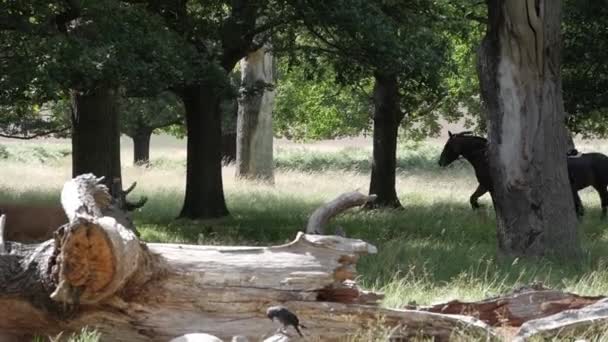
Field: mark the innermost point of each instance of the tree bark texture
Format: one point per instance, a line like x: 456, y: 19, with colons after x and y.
x: 519, y: 72
x: 96, y: 135
x: 254, y: 123
x: 204, y: 187
x: 387, y: 117
x: 141, y: 147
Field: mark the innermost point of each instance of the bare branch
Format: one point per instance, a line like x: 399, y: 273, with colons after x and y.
x: 37, y: 135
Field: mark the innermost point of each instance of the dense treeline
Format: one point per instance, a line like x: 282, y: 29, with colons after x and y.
x: 93, y: 70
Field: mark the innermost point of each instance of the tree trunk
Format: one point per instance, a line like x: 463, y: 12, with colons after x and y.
x: 204, y: 188
x: 519, y: 71
x: 254, y: 123
x: 96, y: 136
x: 387, y: 117
x: 141, y: 147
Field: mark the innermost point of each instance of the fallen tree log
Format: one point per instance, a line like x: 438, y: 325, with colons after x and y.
x: 96, y: 273
x: 592, y: 319
x: 514, y: 309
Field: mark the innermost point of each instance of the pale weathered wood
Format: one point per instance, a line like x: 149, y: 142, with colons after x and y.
x: 320, y: 217
x: 196, y: 337
x: 2, y: 226
x: 567, y: 323
x: 229, y: 293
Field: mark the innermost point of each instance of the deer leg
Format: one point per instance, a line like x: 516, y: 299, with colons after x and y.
x: 478, y: 193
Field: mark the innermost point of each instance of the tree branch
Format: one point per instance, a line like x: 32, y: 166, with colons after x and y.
x: 37, y: 135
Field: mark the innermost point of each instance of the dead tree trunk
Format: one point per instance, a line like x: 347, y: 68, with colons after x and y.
x: 519, y: 72
x: 254, y: 122
x: 96, y: 273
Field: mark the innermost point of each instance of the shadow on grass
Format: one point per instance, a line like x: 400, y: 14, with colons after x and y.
x: 441, y: 243
x: 433, y: 250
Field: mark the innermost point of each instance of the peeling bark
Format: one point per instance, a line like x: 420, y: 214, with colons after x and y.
x: 254, y: 123
x: 567, y: 324
x: 518, y: 67
x: 515, y: 309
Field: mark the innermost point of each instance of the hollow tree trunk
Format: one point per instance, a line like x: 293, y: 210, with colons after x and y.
x: 204, y: 188
x: 387, y: 117
x: 519, y: 71
x: 96, y: 135
x: 254, y: 124
x: 141, y: 147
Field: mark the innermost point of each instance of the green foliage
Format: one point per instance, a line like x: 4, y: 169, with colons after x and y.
x: 144, y: 115
x: 584, y: 67
x: 56, y: 47
x: 112, y: 43
x: 464, y: 29
x: 429, y: 45
x: 318, y: 108
x: 27, y: 153
x: 26, y: 119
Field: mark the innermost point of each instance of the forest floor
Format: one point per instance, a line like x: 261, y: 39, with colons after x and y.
x: 435, y: 250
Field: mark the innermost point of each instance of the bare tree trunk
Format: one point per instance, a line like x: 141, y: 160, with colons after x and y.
x: 254, y: 124
x: 519, y: 71
x: 96, y: 135
x: 204, y: 186
x: 387, y: 117
x: 141, y: 146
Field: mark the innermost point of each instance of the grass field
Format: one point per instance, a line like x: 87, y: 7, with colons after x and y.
x: 436, y: 249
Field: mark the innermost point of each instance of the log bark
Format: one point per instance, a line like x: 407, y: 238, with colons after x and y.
x: 321, y: 216
x: 96, y: 273
x: 254, y: 122
x: 519, y: 72
x: 567, y: 324
x: 516, y: 308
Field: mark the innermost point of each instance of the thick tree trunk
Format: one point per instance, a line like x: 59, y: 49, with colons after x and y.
x: 141, y: 147
x: 519, y: 70
x: 204, y: 188
x: 96, y: 135
x: 387, y: 117
x: 254, y: 124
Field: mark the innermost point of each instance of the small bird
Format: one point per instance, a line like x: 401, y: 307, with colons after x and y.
x: 286, y: 317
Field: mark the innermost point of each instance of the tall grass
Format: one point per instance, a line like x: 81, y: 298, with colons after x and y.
x: 435, y: 249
